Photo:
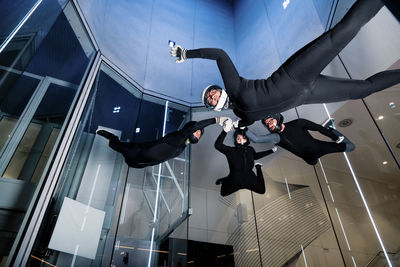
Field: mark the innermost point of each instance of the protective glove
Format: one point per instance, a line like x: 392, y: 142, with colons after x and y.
x: 221, y: 120
x: 179, y: 52
x: 228, y: 125
x: 274, y: 149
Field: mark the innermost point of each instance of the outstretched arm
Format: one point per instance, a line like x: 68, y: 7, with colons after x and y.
x: 309, y: 125
x: 269, y: 138
x: 190, y: 128
x: 219, y: 143
x: 225, y: 65
x: 258, y: 155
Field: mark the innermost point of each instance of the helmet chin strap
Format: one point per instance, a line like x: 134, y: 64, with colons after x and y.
x: 221, y: 101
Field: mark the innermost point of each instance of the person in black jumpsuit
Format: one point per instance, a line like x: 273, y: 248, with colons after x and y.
x: 140, y: 155
x: 241, y: 162
x: 294, y: 137
x: 298, y: 81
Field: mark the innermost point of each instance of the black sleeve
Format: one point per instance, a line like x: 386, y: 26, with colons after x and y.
x: 188, y: 129
x: 258, y: 155
x: 228, y: 71
x: 309, y: 125
x: 269, y: 138
x: 245, y: 122
x: 219, y: 143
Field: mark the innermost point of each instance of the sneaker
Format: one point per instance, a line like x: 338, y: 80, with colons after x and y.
x: 349, y: 145
x: 258, y: 164
x: 106, y: 134
x: 329, y: 123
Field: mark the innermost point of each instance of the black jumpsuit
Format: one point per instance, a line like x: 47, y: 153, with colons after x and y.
x: 298, y: 81
x: 241, y: 163
x: 140, y: 155
x: 296, y: 139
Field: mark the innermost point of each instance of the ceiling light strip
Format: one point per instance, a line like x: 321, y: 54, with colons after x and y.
x: 304, y: 255
x: 287, y: 186
x: 21, y: 23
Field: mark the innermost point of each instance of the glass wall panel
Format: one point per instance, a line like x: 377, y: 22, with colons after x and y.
x: 119, y: 202
x: 41, y: 72
x: 221, y: 230
x: 378, y: 177
x: 92, y: 180
x: 46, y: 122
x: 43, y: 15
x: 384, y: 107
x: 17, y: 86
x: 156, y: 196
x: 375, y: 168
x: 294, y: 226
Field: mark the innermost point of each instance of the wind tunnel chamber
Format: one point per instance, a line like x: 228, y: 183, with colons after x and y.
x: 99, y: 203
x: 68, y: 199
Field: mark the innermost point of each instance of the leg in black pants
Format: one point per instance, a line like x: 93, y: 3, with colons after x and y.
x: 307, y: 63
x: 323, y: 149
x: 329, y: 89
x: 228, y: 186
x: 256, y: 182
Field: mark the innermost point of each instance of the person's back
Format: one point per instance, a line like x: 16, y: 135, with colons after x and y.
x: 140, y: 155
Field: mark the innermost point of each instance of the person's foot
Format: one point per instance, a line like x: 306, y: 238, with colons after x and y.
x: 257, y: 164
x: 349, y: 145
x: 329, y: 123
x: 106, y: 134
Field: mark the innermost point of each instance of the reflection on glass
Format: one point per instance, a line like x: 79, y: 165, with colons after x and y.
x: 22, y: 153
x: 37, y: 88
x: 385, y: 106
x: 156, y: 209
x: 47, y: 120
x: 6, y: 126
x: 378, y: 181
x: 293, y: 223
x: 15, y: 93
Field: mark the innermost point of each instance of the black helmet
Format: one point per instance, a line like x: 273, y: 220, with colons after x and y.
x: 279, y: 118
x: 241, y: 132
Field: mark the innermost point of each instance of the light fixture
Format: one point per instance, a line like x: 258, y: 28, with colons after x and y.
x: 285, y: 4
x: 287, y: 186
x: 345, y: 122
x: 380, y: 118
x: 19, y: 26
x: 385, y: 162
x: 116, y: 109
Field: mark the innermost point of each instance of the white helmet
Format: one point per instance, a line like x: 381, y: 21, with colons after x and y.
x: 223, y: 99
